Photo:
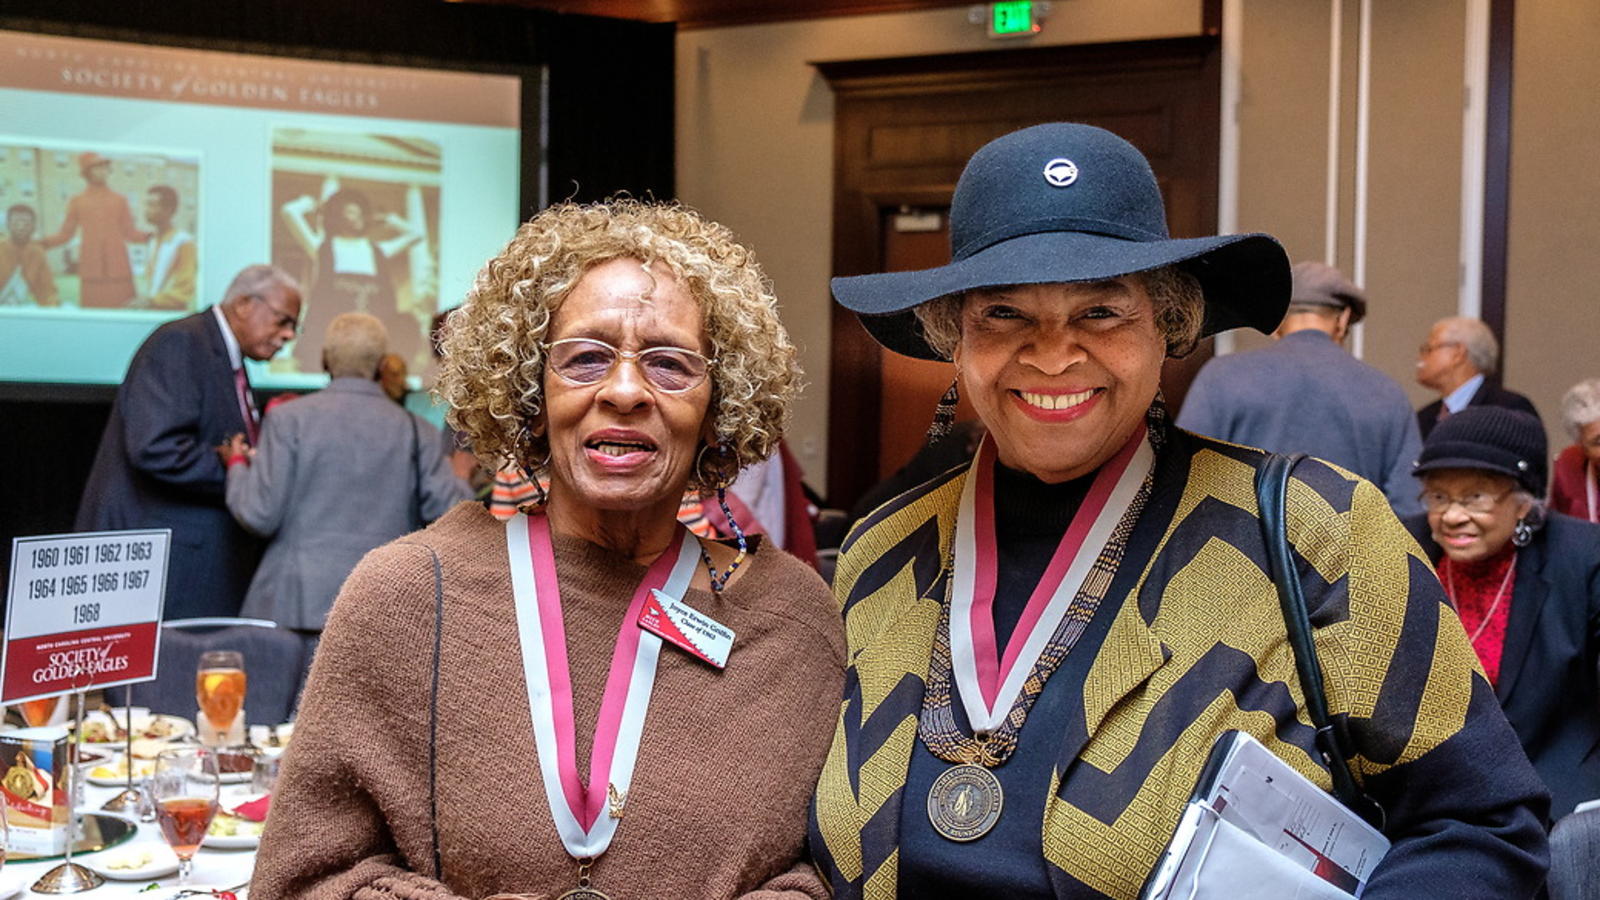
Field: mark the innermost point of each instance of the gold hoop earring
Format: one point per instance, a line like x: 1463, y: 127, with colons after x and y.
x: 722, y: 479
x: 530, y: 469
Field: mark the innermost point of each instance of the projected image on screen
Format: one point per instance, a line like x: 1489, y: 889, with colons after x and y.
x: 90, y: 228
x: 140, y: 179
x: 357, y: 222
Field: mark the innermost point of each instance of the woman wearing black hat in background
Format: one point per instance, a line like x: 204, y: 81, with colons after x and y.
x: 1526, y: 584
x: 1046, y: 644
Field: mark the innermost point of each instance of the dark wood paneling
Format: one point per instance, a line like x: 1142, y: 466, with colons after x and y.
x: 905, y: 127
x: 715, y: 13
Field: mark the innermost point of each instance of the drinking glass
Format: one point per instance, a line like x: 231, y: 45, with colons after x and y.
x: 185, y: 791
x: 264, y: 775
x: 219, y: 687
x: 48, y: 711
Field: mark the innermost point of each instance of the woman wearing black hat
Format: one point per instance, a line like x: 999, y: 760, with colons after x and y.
x: 1046, y: 644
x: 1526, y: 584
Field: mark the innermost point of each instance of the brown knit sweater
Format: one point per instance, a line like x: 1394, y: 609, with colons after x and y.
x: 726, y: 766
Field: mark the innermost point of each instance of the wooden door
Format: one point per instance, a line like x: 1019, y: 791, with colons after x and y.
x: 903, y: 130
x: 910, y: 388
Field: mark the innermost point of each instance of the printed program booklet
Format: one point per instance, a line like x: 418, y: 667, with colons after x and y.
x: 1257, y: 828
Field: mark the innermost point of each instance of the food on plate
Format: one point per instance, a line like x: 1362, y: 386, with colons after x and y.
x: 97, y: 732
x: 148, y: 748
x: 119, y: 769
x: 225, y: 825
x: 104, y: 729
x: 233, y: 762
x: 87, y: 756
x: 135, y: 858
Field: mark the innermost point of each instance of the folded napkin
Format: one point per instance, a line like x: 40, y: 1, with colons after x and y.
x: 254, y: 810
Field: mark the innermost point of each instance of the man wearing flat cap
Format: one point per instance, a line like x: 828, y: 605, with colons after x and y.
x: 1305, y: 394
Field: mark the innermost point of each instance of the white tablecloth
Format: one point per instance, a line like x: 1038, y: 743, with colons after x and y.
x: 212, y: 868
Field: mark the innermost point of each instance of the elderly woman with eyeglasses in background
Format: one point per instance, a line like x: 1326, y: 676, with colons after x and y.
x: 1526, y: 584
x: 1575, y: 483
x: 540, y: 706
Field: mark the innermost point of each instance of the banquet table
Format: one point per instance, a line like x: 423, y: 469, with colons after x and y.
x: 221, y: 869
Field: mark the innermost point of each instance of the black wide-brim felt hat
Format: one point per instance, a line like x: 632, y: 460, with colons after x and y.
x: 1065, y: 202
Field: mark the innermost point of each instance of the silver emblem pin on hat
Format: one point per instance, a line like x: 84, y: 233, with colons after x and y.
x: 1060, y: 172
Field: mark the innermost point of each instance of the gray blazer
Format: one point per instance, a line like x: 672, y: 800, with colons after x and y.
x: 1305, y: 394
x: 338, y: 473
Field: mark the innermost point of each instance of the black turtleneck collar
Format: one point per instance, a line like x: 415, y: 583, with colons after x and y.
x: 1026, y: 507
x: 1030, y: 517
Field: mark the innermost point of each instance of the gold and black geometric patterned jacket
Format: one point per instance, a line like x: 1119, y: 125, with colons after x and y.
x: 1196, y: 646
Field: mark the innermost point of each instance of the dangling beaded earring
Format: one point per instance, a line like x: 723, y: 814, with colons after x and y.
x: 944, y: 415
x: 719, y: 580
x: 1522, y: 533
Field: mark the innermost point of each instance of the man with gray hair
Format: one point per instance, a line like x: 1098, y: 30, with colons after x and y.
x: 1459, y: 360
x: 318, y: 455
x: 1305, y: 394
x: 186, y: 392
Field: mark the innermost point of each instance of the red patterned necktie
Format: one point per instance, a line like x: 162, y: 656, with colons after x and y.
x: 246, y: 408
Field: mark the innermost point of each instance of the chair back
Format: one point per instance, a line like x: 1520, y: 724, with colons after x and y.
x: 274, y: 659
x: 1574, y: 852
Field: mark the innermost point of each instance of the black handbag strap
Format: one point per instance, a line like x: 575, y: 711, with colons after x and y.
x: 1272, y: 488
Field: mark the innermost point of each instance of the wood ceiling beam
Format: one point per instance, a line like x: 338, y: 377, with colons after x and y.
x: 719, y: 13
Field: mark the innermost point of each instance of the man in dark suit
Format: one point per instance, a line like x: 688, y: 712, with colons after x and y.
x: 186, y: 393
x: 1458, y: 360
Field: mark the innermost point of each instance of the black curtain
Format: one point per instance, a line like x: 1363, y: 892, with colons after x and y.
x: 609, y: 107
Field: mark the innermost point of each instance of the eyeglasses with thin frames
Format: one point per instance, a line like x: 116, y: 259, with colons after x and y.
x: 283, y: 320
x: 587, y: 361
x: 1478, y: 502
x: 1425, y: 349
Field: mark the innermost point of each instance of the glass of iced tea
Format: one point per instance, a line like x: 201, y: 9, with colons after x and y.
x: 219, y: 687
x: 184, y: 788
x: 48, y: 711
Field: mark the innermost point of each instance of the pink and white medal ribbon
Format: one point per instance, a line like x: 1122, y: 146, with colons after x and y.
x: 580, y: 811
x: 987, y: 682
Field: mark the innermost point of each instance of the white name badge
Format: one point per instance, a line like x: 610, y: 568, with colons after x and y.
x: 687, y: 628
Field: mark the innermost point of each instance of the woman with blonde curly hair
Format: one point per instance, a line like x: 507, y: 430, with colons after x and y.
x: 586, y: 700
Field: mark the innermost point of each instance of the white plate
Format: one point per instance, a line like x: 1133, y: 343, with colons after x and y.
x: 142, y: 769
x: 181, y: 727
x: 13, y: 886
x: 232, y: 842
x: 237, y: 841
x: 162, y: 863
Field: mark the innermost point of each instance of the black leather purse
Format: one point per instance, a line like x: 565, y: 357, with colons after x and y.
x: 1272, y: 487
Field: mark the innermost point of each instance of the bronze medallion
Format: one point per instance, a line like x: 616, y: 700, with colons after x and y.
x: 964, y: 802
x: 584, y: 893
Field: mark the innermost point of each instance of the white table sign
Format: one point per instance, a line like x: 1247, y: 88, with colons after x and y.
x: 83, y: 610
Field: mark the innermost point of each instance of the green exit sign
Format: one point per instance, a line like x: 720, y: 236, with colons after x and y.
x: 1014, y: 19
